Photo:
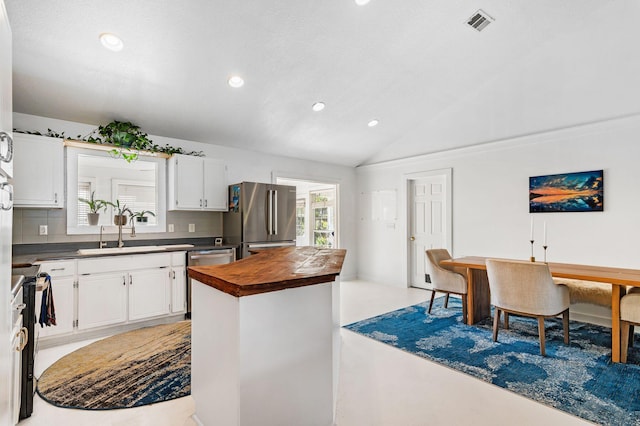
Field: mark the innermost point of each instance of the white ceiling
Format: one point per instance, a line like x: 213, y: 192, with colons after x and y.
x: 433, y: 82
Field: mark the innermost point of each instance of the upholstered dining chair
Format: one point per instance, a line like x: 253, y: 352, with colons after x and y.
x: 629, y: 316
x: 446, y: 280
x: 526, y: 288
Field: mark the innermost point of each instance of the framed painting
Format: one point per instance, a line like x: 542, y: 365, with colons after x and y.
x: 567, y: 192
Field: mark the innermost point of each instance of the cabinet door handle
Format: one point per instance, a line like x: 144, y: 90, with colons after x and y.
x: 124, y: 280
x: 5, y: 136
x: 23, y: 334
x: 9, y: 189
x: 205, y: 202
x: 130, y: 280
x: 57, y: 269
x: 55, y: 198
x: 174, y: 274
x: 200, y: 202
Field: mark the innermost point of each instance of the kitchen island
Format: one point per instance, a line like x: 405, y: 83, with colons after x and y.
x: 265, y: 338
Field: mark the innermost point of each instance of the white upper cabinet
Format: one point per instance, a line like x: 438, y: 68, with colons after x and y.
x: 6, y: 118
x: 215, y: 185
x: 38, y: 171
x: 197, y: 183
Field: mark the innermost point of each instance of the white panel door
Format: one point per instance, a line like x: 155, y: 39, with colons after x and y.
x: 427, y: 228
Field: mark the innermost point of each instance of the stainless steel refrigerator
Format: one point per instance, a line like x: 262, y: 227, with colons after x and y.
x: 260, y: 215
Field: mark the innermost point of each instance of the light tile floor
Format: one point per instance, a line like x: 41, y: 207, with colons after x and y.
x: 379, y: 385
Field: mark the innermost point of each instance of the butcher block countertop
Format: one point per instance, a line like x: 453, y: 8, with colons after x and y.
x: 272, y: 270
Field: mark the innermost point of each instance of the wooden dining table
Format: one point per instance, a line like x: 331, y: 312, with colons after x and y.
x: 478, y: 296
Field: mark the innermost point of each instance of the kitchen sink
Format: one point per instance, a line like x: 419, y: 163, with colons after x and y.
x: 132, y: 249
x: 114, y: 250
x: 177, y: 246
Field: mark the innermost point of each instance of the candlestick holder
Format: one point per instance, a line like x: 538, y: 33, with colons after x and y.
x: 532, y: 258
x: 545, y: 253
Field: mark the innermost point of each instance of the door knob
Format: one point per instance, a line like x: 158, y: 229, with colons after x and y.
x: 413, y: 238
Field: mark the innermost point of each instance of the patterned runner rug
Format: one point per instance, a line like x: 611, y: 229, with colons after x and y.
x: 136, y: 368
x: 579, y: 379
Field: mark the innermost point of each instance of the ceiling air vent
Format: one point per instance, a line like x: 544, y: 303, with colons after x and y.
x: 479, y: 20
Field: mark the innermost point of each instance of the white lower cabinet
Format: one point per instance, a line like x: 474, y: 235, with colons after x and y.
x: 63, y: 297
x: 178, y: 282
x: 113, y: 291
x: 102, y: 300
x: 178, y: 289
x: 149, y: 293
x: 16, y: 370
x: 63, y: 283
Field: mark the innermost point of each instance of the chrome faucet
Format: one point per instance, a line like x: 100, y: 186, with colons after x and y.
x: 133, y: 226
x: 120, y: 242
x: 102, y: 243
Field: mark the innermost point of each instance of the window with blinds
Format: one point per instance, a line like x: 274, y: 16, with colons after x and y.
x: 84, y: 191
x: 138, y: 198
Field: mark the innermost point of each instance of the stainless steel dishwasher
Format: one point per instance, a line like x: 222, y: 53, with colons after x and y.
x: 214, y: 256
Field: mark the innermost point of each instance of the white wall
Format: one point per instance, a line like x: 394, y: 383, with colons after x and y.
x: 244, y: 165
x: 490, y: 200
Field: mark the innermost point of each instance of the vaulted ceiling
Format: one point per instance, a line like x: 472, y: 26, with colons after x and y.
x: 432, y: 81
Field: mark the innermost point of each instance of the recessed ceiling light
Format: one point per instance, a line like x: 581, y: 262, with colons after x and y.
x: 318, y: 106
x: 111, y: 42
x: 361, y: 2
x: 373, y: 123
x: 236, y: 81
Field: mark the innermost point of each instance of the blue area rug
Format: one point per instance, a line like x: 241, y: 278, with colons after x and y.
x: 578, y: 379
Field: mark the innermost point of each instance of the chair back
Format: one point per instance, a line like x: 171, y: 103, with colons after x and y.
x: 525, y: 287
x: 442, y: 278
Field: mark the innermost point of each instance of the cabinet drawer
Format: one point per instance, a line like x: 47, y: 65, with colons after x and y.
x: 59, y: 268
x: 179, y: 258
x: 123, y: 263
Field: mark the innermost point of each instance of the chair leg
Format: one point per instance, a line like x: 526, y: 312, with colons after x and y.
x: 541, y: 333
x: 433, y: 295
x: 565, y: 326
x: 624, y: 341
x: 446, y: 301
x: 496, y: 323
x: 631, y: 334
x: 506, y: 320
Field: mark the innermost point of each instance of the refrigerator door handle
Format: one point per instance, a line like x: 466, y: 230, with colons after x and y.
x: 274, y: 225
x: 269, y: 212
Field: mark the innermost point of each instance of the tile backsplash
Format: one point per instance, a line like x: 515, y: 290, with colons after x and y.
x: 27, y: 222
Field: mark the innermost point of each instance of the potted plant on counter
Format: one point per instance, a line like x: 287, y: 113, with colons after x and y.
x: 119, y: 217
x: 141, y: 217
x: 94, y: 208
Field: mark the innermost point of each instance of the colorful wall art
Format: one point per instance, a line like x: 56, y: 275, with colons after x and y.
x: 568, y: 192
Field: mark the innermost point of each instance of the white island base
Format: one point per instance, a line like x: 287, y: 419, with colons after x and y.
x: 265, y: 359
